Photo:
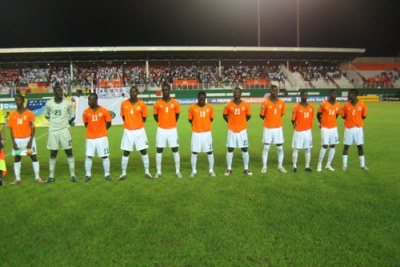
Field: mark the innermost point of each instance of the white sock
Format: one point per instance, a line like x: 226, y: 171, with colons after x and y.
x: 246, y: 159
x: 17, y: 170
x: 36, y: 168
x: 194, y: 162
x: 88, y: 166
x: 52, y: 167
x: 71, y: 164
x: 158, y: 162
x: 330, y: 156
x: 265, y: 155
x: 106, y: 166
x: 177, y: 159
x: 146, y: 163
x: 308, y: 157
x: 321, y: 156
x: 124, y: 164
x: 362, y: 161
x: 229, y: 158
x: 280, y: 155
x: 344, y: 161
x: 294, y: 157
x: 211, y: 161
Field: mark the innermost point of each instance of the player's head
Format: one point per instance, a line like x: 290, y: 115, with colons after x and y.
x: 352, y: 95
x: 201, y: 98
x: 92, y: 100
x: 19, y: 101
x: 332, y: 94
x: 273, y: 91
x: 58, y: 91
x: 133, y: 92
x: 237, y: 93
x: 303, y: 95
x: 166, y: 90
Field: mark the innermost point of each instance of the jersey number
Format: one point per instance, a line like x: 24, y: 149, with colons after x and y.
x: 19, y: 121
x: 94, y: 118
x: 331, y: 112
x: 237, y: 111
x: 57, y: 112
x: 202, y: 114
x: 306, y: 115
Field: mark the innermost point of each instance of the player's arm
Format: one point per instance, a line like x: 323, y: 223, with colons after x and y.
x: 71, y: 114
x: 177, y: 116
x: 123, y: 118
x: 248, y: 117
x: 15, y: 147
x: 225, y: 117
x: 2, y: 134
x: 108, y: 124
x: 47, y: 112
x: 155, y: 117
x: 262, y: 112
x: 144, y: 119
x: 29, y: 145
x: 319, y: 116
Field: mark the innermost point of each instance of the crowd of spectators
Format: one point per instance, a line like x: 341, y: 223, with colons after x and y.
x: 394, y: 74
x: 316, y: 72
x: 85, y: 75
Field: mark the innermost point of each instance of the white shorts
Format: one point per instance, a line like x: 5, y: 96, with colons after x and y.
x: 99, y: 145
x: 273, y: 136
x: 202, y: 142
x: 302, y: 140
x: 354, y: 136
x: 22, y: 143
x: 329, y: 136
x: 137, y: 138
x: 59, y: 138
x: 167, y: 138
x: 237, y: 139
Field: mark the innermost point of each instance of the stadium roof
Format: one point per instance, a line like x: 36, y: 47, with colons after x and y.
x: 173, y: 53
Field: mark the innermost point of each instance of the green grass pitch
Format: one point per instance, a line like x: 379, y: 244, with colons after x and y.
x: 303, y: 219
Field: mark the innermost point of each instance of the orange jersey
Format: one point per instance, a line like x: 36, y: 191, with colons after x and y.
x: 237, y: 114
x: 133, y: 114
x: 329, y: 113
x: 21, y: 124
x: 303, y: 117
x: 201, y: 117
x: 272, y: 113
x: 96, y: 122
x: 354, y: 114
x: 166, y: 112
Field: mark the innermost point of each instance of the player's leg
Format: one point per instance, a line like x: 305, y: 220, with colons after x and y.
x: 35, y: 163
x: 172, y: 141
x: 193, y: 161
x: 17, y: 170
x: 279, y: 140
x: 331, y: 155
x: 231, y: 144
x: 126, y: 147
x: 347, y: 141
x: 66, y: 144
x: 307, y: 145
x: 90, y: 151
x: 210, y: 157
x: 146, y: 163
x: 361, y: 157
x: 161, y: 142
x: 267, y: 144
x: 103, y: 151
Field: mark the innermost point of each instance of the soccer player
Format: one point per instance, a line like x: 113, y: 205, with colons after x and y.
x: 166, y: 114
x: 200, y: 117
x: 302, y: 120
x: 97, y: 120
x: 60, y: 114
x: 22, y: 128
x: 134, y: 114
x: 327, y: 114
x: 236, y: 113
x: 354, y: 113
x: 271, y: 112
x: 3, y: 169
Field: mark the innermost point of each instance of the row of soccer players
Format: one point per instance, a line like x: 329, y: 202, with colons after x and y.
x: 237, y: 112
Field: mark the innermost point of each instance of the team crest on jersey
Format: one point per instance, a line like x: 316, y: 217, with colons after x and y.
x: 138, y: 108
x: 25, y: 118
x: 208, y: 110
x: 100, y: 114
x: 172, y: 105
x: 243, y: 108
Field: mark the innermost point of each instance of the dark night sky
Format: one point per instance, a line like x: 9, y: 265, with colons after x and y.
x: 370, y: 24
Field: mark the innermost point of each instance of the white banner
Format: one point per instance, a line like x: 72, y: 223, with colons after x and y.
x: 113, y: 105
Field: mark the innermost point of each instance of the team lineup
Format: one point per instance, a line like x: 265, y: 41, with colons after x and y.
x: 134, y: 112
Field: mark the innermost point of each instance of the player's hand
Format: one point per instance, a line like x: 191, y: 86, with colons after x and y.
x: 319, y: 126
x: 15, y: 147
x: 72, y: 123
x: 3, y: 142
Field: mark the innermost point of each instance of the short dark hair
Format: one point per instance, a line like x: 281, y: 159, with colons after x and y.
x: 201, y: 93
x: 273, y: 86
x: 166, y: 84
x: 331, y: 91
x: 95, y: 96
x: 20, y: 96
x: 354, y: 91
